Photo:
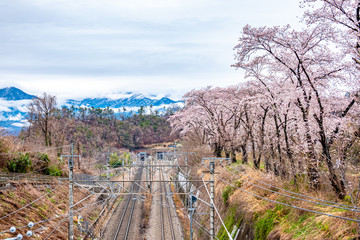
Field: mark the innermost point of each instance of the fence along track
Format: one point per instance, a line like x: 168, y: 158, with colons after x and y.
x: 6, y: 177
x: 128, y: 212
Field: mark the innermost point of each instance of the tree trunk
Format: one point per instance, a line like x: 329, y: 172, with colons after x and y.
x: 262, y: 140
x: 312, y: 169
x: 336, y: 183
x: 50, y: 142
x: 273, y: 156
x: 233, y: 155
x: 282, y: 166
x: 267, y: 164
x: 256, y: 165
x: 244, y: 156
x: 288, y: 150
x: 217, y: 150
x: 46, y: 138
x: 78, y: 151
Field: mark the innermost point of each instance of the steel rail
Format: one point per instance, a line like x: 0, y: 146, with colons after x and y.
x: 168, y: 208
x: 138, y: 176
x: 161, y: 210
x: 134, y: 188
x: 123, y: 213
x: 117, y: 181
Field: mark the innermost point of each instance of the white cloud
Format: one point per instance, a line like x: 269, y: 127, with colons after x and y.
x: 20, y: 105
x: 2, y: 118
x: 21, y: 124
x: 18, y: 117
x: 91, y: 48
x: 4, y: 109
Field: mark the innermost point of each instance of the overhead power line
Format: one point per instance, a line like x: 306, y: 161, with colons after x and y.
x: 222, y: 222
x: 7, y: 215
x: 298, y: 194
x: 62, y: 215
x: 297, y: 198
x: 288, y: 205
x: 34, y: 151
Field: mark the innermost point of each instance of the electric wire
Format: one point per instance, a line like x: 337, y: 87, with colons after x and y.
x: 288, y: 205
x: 56, y: 227
x: 197, y: 223
x: 62, y: 215
x: 25, y: 174
x: 30, y: 203
x: 35, y: 151
x: 301, y: 199
x: 203, y: 228
x: 298, y: 194
x: 27, y: 205
x: 213, y: 204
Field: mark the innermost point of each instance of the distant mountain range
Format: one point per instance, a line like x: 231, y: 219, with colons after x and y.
x: 14, y: 94
x: 133, y: 100
x: 14, y: 102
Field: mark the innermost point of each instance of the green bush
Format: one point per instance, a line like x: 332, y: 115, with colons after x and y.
x: 227, y: 192
x: 232, y: 219
x: 266, y: 223
x: 44, y: 157
x: 53, y: 170
x: 127, y: 157
x: 20, y: 164
x: 115, y: 160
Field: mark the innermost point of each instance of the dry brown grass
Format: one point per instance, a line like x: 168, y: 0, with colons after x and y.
x: 183, y: 218
x: 54, y: 204
x: 291, y: 223
x: 146, y: 211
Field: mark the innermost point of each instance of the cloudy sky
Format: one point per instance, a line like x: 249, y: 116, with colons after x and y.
x: 91, y: 48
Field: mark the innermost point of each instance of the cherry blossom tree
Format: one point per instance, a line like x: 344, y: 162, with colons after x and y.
x: 343, y: 16
x: 304, y: 64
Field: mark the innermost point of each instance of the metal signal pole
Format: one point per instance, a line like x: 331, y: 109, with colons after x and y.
x: 212, y: 196
x: 71, y: 197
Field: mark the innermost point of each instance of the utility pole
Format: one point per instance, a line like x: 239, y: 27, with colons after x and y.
x: 191, y: 209
x: 147, y: 171
x: 123, y: 173
x: 71, y: 197
x: 212, y: 196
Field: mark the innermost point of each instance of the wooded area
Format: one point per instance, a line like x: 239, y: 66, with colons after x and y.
x: 298, y: 113
x: 94, y: 129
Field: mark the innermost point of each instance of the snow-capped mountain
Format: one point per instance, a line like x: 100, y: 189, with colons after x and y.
x: 133, y: 100
x: 13, y: 108
x: 14, y: 94
x: 14, y: 102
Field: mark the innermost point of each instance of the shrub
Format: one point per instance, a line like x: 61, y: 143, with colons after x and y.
x: 53, y: 170
x: 44, y: 157
x: 232, y: 219
x: 227, y: 192
x: 20, y: 164
x: 115, y: 160
x: 238, y: 183
x: 265, y: 224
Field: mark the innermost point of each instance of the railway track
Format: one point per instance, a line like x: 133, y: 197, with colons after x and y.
x: 124, y: 226
x: 170, y: 234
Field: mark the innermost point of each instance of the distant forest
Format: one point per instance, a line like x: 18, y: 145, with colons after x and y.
x: 94, y: 129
